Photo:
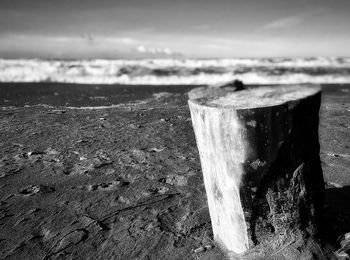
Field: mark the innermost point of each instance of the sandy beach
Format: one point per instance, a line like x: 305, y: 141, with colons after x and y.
x: 98, y: 171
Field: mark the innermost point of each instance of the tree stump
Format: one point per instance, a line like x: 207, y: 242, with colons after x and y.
x: 259, y: 153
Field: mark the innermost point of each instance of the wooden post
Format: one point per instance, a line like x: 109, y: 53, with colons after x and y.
x: 259, y: 152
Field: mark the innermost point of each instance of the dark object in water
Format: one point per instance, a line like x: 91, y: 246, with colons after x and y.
x: 216, y: 89
x: 238, y: 84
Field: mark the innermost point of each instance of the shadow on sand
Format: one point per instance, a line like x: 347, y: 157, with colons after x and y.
x: 336, y: 215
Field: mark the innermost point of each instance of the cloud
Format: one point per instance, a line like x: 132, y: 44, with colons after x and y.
x: 126, y: 40
x: 286, y: 22
x: 143, y: 49
x: 91, y: 39
x: 202, y: 27
x: 88, y: 38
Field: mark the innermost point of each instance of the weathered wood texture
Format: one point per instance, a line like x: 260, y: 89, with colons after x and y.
x: 259, y: 153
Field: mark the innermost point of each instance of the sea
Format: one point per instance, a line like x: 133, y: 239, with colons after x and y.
x: 323, y: 70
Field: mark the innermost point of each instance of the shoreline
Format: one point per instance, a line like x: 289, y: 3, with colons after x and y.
x: 80, y: 95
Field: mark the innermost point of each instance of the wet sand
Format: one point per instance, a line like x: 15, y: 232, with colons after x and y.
x: 59, y: 94
x: 125, y: 181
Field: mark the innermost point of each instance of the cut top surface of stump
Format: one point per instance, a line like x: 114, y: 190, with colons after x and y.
x: 254, y: 97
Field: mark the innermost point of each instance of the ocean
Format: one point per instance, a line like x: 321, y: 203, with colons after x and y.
x: 321, y: 70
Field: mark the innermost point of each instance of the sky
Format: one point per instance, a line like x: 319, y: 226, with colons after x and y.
x: 173, y: 28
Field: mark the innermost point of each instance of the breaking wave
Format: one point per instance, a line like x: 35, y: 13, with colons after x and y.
x: 178, y: 71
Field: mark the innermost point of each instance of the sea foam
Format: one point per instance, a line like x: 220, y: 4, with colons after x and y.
x: 178, y: 71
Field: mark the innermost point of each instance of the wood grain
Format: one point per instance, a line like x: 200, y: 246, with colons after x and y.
x: 259, y: 154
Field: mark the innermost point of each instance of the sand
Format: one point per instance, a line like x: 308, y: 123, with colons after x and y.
x: 113, y: 171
